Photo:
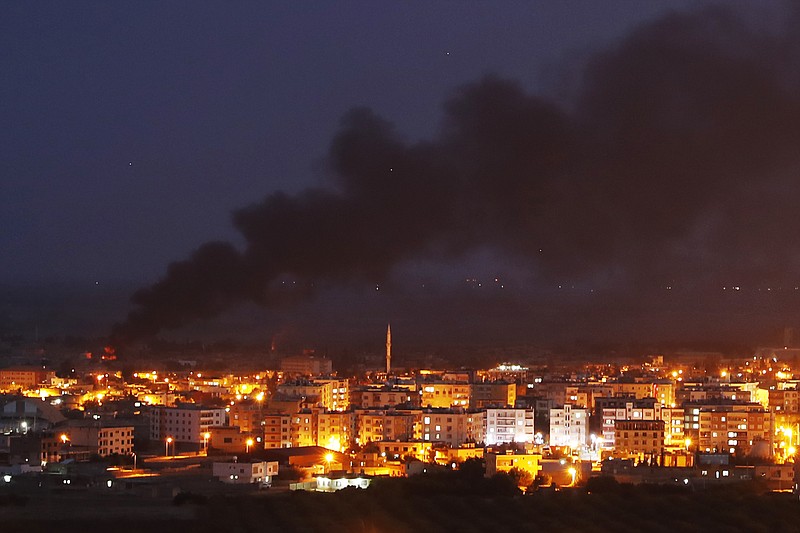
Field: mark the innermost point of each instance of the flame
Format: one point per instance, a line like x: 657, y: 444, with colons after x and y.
x: 109, y: 353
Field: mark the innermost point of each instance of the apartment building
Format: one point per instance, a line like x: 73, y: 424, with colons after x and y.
x: 186, y: 423
x: 508, y: 425
x: 452, y: 427
x: 444, y: 394
x: 642, y: 439
x: 277, y: 430
x: 492, y: 394
x: 569, y: 426
x: 731, y: 428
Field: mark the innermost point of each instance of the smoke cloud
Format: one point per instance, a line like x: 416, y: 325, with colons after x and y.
x: 676, y: 163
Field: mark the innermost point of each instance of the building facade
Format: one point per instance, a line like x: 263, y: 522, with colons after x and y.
x: 508, y: 425
x: 569, y: 426
x: 184, y: 424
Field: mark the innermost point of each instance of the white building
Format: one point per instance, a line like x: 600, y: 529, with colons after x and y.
x: 507, y: 425
x: 187, y: 423
x: 339, y: 481
x: 245, y: 473
x: 569, y: 426
x: 631, y: 411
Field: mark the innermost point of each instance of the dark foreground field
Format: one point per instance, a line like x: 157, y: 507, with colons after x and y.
x: 399, y: 506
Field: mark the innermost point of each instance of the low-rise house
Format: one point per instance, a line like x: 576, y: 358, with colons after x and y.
x: 340, y: 480
x: 244, y: 473
x: 503, y: 462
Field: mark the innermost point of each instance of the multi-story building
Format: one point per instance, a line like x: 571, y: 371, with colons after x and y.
x: 492, y: 394
x: 673, y: 418
x: 328, y: 393
x: 23, y: 377
x: 377, y: 397
x: 277, y: 430
x: 373, y: 425
x: 369, y: 425
x: 248, y: 415
x: 785, y: 401
x: 80, y: 439
x: 664, y: 392
x: 337, y: 393
x: 336, y: 430
x: 186, y: 423
x: 508, y: 425
x: 711, y: 393
x: 569, y: 426
x: 555, y: 391
x: 731, y: 427
x: 452, y: 427
x: 643, y: 439
x: 306, y: 365
x: 633, y: 388
x: 113, y: 440
x: 402, y: 424
x: 422, y: 451
x: 303, y: 428
x: 577, y: 396
x: 597, y: 390
x: 620, y: 408
x: 444, y: 394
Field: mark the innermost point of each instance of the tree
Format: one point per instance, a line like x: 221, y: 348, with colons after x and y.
x: 521, y: 477
x: 501, y: 485
x: 542, y: 480
x: 371, y: 447
x: 474, y: 467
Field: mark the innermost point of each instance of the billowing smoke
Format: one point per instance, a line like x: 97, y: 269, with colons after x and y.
x: 676, y: 162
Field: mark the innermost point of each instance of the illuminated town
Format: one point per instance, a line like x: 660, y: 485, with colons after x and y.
x: 697, y: 420
x: 400, y: 267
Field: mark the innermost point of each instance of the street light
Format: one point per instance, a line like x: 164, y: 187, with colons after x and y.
x: 572, y: 472
x: 166, y: 447
x: 206, y: 436
x: 134, y: 460
x: 249, y: 443
x: 64, y: 440
x: 328, y: 459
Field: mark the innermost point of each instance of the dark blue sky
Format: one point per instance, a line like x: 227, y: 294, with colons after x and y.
x: 129, y: 131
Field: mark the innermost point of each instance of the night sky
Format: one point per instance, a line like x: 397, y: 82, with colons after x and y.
x: 628, y: 149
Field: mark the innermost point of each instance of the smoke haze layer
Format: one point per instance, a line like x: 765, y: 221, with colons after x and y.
x: 676, y: 164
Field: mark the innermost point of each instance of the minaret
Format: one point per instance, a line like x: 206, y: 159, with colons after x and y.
x: 388, y: 349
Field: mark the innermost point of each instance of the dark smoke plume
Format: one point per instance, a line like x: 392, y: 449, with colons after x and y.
x: 677, y: 162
